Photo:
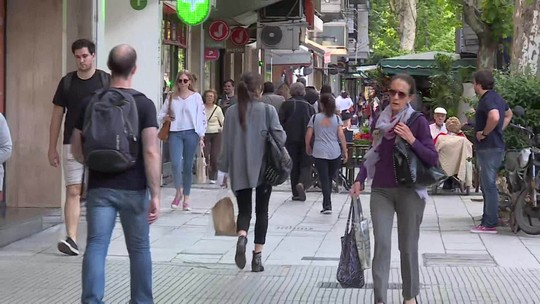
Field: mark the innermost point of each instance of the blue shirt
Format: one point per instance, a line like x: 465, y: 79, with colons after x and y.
x: 490, y: 101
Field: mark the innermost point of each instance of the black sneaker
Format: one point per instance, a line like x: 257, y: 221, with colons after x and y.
x: 68, y: 246
x: 240, y: 256
x: 301, y: 192
x: 326, y: 211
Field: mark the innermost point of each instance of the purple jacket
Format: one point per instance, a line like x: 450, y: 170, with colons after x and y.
x: 423, y: 146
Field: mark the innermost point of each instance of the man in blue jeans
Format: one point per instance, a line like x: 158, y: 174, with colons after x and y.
x: 492, y: 117
x: 125, y: 193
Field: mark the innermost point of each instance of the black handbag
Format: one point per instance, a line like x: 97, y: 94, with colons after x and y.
x: 350, y: 273
x: 278, y: 162
x: 410, y: 170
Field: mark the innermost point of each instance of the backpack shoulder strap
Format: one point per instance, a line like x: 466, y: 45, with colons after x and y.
x: 104, y: 78
x: 68, y: 79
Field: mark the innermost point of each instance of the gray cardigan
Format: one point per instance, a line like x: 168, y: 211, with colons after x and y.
x: 5, y: 147
x: 242, y: 151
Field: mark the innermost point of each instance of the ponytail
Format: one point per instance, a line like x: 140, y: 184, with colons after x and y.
x: 243, y: 97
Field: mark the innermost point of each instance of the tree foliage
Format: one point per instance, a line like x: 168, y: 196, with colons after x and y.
x: 435, y: 27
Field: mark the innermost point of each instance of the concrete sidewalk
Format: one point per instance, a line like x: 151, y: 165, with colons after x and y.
x: 301, y: 255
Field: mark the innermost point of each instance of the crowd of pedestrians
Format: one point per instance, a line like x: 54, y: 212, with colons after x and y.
x: 229, y: 131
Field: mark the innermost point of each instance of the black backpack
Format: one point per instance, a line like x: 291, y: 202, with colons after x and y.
x: 111, y: 131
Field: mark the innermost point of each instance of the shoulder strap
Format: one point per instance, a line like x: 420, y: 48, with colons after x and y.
x: 210, y: 117
x: 413, y: 117
x: 267, y: 117
x: 104, y: 78
x: 67, y: 82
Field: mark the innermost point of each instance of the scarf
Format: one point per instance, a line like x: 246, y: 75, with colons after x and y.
x: 384, y: 128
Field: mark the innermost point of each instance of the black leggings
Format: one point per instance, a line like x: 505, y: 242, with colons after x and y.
x: 245, y: 206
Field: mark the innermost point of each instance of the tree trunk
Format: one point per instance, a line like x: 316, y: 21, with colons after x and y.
x: 526, y: 44
x: 488, y: 45
x: 407, y: 24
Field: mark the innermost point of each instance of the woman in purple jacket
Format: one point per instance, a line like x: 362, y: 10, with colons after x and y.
x: 387, y: 197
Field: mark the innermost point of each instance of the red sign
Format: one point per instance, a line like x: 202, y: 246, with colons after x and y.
x: 211, y: 54
x: 218, y: 30
x: 239, y: 36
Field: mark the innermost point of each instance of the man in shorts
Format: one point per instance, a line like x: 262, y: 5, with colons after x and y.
x: 71, y: 91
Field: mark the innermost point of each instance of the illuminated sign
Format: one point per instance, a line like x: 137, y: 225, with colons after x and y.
x: 193, y: 12
x: 138, y: 4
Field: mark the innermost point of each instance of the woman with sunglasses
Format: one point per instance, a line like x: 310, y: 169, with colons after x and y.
x: 188, y: 125
x: 387, y: 197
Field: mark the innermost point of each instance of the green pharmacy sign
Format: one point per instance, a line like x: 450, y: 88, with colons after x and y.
x: 193, y: 12
x: 138, y: 4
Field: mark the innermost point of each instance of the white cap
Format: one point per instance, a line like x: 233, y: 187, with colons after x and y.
x: 440, y: 110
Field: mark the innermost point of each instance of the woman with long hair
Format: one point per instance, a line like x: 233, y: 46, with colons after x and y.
x: 188, y: 126
x: 242, y: 158
x: 212, y: 138
x: 326, y: 128
x: 388, y: 197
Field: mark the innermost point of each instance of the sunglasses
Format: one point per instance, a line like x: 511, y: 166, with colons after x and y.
x: 400, y: 94
x: 183, y: 80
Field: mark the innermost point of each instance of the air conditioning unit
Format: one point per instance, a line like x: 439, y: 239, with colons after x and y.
x: 283, y: 10
x: 278, y: 36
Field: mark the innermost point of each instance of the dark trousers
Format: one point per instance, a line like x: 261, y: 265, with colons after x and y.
x: 327, y: 169
x: 301, y: 169
x: 212, y: 147
x: 245, y: 206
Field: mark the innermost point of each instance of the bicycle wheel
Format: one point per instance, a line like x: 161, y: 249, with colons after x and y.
x: 527, y: 216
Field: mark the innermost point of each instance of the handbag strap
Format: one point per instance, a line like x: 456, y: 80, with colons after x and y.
x: 350, y: 218
x: 169, y: 107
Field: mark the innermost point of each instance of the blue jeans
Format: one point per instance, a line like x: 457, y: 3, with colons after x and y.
x: 183, y: 145
x: 489, y: 162
x: 102, y: 205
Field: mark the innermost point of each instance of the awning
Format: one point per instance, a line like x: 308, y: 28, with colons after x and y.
x: 169, y: 8
x: 422, y: 64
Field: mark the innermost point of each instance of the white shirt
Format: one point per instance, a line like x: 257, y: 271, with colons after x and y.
x: 343, y: 104
x: 189, y: 114
x: 435, y: 130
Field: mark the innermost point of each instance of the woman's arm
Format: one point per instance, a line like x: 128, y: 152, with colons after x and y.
x: 164, y: 109
x: 220, y: 117
x: 423, y: 146
x: 200, y: 124
x: 343, y: 142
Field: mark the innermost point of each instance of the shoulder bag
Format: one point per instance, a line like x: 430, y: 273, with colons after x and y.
x: 277, y: 161
x: 410, y: 170
x: 163, y: 133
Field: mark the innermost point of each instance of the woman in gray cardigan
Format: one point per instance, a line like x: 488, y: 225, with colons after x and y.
x: 242, y: 158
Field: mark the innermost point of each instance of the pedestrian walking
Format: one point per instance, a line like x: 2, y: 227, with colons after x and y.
x: 188, y: 126
x: 73, y: 88
x: 242, y: 158
x: 387, y: 197
x: 212, y: 137
x: 294, y: 116
x: 492, y: 116
x: 326, y: 130
x: 117, y: 187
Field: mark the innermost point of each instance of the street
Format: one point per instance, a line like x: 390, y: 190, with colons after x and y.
x: 191, y: 265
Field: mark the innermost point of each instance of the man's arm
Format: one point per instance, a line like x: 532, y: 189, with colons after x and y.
x: 152, y: 159
x: 492, y: 121
x: 507, y: 118
x: 54, y: 133
x: 76, y: 145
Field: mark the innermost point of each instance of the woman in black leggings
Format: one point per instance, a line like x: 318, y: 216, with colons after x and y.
x: 242, y: 155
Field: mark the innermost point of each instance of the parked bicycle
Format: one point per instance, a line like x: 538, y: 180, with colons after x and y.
x: 520, y: 202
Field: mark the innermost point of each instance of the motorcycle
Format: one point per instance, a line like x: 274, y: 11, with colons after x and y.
x: 520, y: 199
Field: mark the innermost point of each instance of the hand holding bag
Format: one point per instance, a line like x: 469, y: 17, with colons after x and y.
x: 350, y: 273
x: 410, y: 170
x: 163, y: 133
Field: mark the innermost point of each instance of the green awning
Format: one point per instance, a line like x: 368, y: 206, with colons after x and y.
x: 421, y: 64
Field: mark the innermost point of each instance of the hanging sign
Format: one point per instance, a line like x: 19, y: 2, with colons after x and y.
x: 211, y: 54
x: 218, y: 30
x: 138, y: 4
x: 239, y: 36
x: 193, y: 12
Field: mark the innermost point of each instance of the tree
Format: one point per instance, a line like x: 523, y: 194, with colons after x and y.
x: 526, y: 44
x: 406, y: 10
x: 491, y: 20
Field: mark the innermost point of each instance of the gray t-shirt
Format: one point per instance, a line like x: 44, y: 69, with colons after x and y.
x: 325, y: 131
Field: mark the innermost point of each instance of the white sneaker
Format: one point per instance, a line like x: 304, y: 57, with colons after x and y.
x: 212, y: 182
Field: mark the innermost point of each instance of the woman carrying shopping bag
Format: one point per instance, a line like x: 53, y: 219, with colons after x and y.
x: 242, y: 158
x: 188, y: 125
x: 326, y: 129
x: 389, y: 197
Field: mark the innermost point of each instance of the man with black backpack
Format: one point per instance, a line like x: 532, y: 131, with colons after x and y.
x: 71, y: 91
x: 116, y: 138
